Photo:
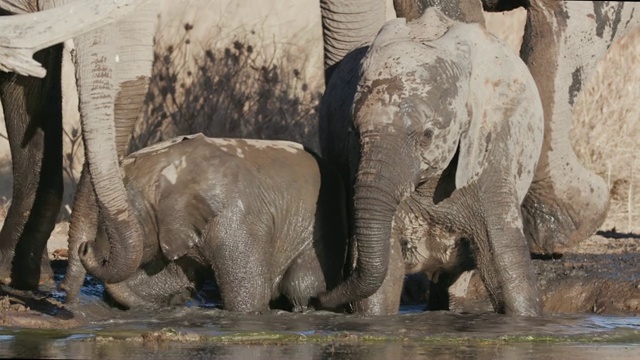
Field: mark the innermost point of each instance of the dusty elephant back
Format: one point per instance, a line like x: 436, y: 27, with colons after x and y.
x: 189, y: 180
x: 209, y: 159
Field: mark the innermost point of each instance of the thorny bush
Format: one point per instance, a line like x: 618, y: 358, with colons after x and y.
x: 232, y: 91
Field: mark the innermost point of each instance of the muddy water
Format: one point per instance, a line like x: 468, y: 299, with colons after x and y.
x: 189, y: 332
x: 203, y: 331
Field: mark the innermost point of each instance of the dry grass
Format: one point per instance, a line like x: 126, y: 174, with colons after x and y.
x: 606, y: 129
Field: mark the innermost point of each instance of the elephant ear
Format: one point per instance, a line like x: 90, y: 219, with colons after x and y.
x: 180, y: 223
x: 472, y: 148
x: 176, y: 240
x: 486, y: 113
x: 505, y: 113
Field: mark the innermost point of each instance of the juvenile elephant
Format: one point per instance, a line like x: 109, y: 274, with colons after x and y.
x: 266, y: 216
x: 436, y: 128
x: 562, y: 44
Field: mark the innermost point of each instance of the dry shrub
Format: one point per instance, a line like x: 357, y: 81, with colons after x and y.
x: 606, y: 129
x: 233, y: 91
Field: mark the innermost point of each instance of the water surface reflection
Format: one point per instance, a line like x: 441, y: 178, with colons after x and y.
x: 436, y: 335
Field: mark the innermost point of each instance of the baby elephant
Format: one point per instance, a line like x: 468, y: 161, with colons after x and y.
x: 267, y: 217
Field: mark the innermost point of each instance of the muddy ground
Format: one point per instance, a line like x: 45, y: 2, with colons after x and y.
x: 601, y: 276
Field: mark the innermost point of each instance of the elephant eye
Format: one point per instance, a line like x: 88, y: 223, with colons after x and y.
x: 428, y: 134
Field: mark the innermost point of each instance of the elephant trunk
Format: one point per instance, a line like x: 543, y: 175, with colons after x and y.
x: 347, y: 25
x: 381, y: 183
x: 97, y: 91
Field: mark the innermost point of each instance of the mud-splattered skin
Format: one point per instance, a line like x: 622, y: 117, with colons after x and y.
x: 562, y: 45
x: 266, y: 216
x: 438, y: 128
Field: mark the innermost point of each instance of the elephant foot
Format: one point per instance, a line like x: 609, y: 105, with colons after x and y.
x: 46, y: 282
x: 5, y: 270
x: 74, y: 277
x: 71, y: 285
x: 563, y: 209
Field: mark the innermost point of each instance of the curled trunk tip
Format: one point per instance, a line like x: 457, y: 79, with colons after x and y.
x: 113, y: 258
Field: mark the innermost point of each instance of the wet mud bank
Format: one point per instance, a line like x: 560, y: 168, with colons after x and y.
x: 607, y: 284
x: 196, y: 332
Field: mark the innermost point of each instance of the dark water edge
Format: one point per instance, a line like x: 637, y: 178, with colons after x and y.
x: 201, y: 330
x: 212, y: 333
x: 127, y: 350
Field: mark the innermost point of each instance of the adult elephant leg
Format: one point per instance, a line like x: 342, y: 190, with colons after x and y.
x: 33, y: 116
x: 386, y: 300
x: 113, y: 64
x: 82, y: 228
x: 129, y: 101
x: 563, y: 43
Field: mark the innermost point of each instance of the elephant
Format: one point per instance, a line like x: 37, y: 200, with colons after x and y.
x: 266, y: 217
x: 567, y: 202
x: 436, y: 129
x: 113, y: 66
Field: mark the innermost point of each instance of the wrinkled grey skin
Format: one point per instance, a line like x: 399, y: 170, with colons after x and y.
x: 436, y: 128
x: 267, y: 217
x: 113, y: 66
x: 563, y: 43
